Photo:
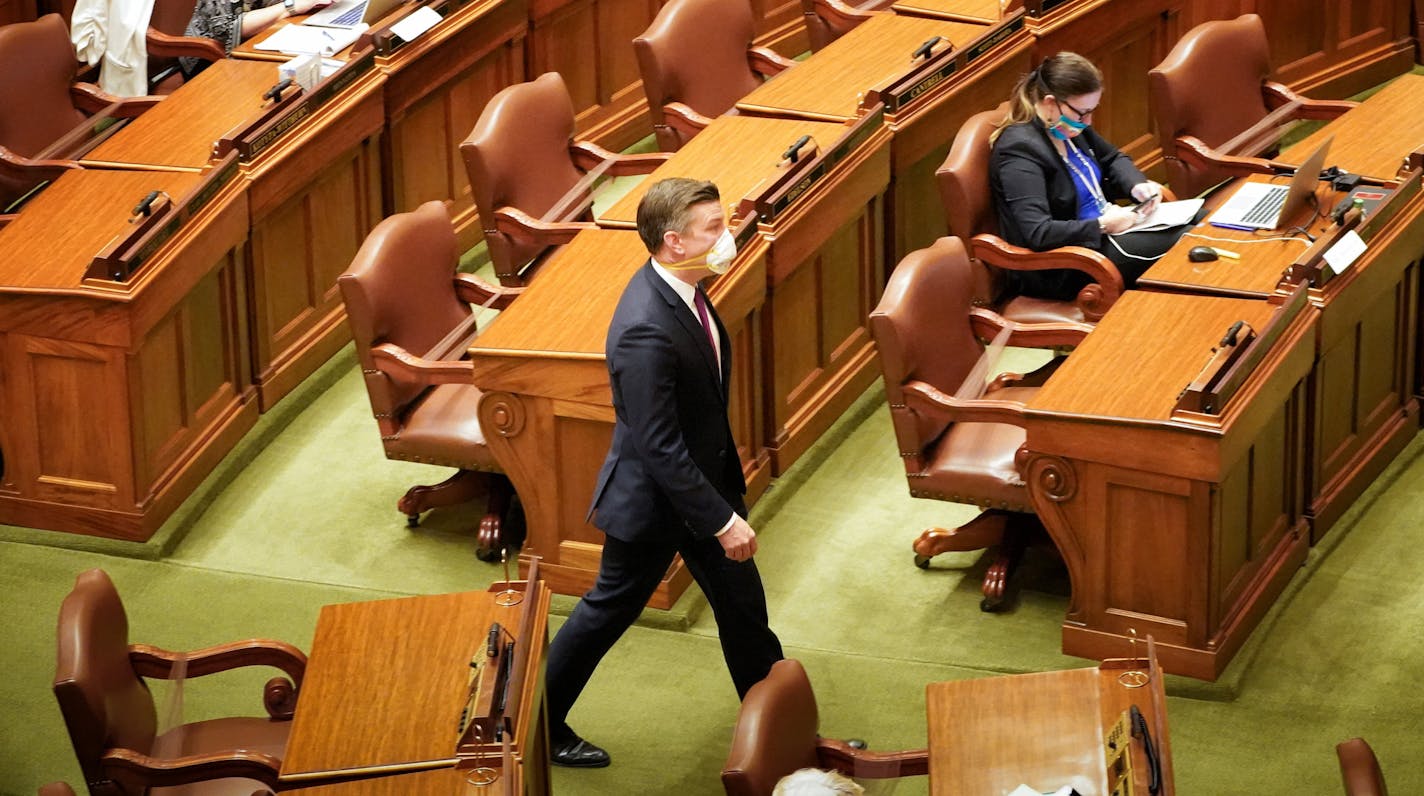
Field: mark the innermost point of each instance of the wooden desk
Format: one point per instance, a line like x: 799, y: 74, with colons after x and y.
x: 386, y: 682
x: 118, y: 398
x: 1180, y: 525
x: 859, y: 69
x: 436, y: 782
x: 1366, y: 408
x: 1044, y: 730
x: 313, y: 194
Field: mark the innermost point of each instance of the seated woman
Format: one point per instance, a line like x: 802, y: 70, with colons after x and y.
x: 230, y: 21
x: 1055, y: 179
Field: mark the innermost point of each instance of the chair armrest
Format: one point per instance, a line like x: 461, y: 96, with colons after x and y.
x: 523, y: 227
x: 91, y: 99
x: 683, y: 117
x: 1277, y: 95
x: 872, y: 765
x: 987, y: 324
x: 166, y: 45
x: 928, y: 400
x: 279, y: 696
x: 589, y: 156
x: 766, y: 62
x: 1037, y: 378
x: 1194, y: 152
x: 139, y: 771
x: 994, y: 250
x: 18, y: 167
x: 393, y: 360
x: 839, y: 14
x: 473, y: 290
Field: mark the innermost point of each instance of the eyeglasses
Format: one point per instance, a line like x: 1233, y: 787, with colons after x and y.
x: 1081, y: 114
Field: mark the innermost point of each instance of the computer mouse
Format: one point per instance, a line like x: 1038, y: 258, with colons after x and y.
x: 1201, y: 254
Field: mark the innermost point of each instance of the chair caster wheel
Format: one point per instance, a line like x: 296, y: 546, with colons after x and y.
x: 857, y: 743
x: 412, y: 521
x: 923, y: 562
x: 488, y: 556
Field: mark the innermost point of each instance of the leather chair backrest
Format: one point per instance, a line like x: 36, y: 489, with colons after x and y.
x: 104, y: 702
x: 922, y: 331
x: 963, y: 178
x: 518, y: 156
x: 1360, y: 769
x: 1209, y: 86
x: 695, y: 52
x: 400, y: 289
x: 37, y: 67
x: 775, y: 734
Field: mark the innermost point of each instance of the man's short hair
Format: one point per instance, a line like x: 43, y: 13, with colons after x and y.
x: 667, y: 207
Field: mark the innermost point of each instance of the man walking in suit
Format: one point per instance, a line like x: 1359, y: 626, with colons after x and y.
x: 672, y: 481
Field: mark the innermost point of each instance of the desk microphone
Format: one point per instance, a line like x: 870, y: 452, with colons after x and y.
x: 275, y: 93
x: 925, y: 50
x: 794, y: 151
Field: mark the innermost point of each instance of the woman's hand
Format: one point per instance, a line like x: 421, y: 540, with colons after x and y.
x: 1117, y: 219
x: 308, y: 6
x: 1148, y: 193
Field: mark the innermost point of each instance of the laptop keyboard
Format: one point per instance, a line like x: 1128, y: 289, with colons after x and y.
x: 1269, y: 206
x: 349, y: 18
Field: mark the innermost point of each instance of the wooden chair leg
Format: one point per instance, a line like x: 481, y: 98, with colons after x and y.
x: 493, y: 535
x: 462, y: 486
x: 1020, y: 531
x: 983, y: 531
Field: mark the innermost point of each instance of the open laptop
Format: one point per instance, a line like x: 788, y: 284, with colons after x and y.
x: 1259, y: 205
x: 350, y: 13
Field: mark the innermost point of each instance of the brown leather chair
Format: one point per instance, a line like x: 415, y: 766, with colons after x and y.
x: 43, y: 111
x: 410, y: 314
x: 828, y: 20
x: 1360, y: 769
x: 963, y: 181
x: 697, y: 60
x: 524, y: 164
x: 107, y: 707
x: 1214, y: 87
x: 776, y: 735
x: 961, y: 448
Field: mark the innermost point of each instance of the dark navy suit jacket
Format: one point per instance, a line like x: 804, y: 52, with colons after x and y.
x: 673, y: 465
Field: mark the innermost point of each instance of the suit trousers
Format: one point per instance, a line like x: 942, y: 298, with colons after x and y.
x: 627, y: 576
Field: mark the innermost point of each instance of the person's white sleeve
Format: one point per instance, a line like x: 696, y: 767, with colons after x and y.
x: 87, y: 28
x: 125, y: 70
x: 728, y: 526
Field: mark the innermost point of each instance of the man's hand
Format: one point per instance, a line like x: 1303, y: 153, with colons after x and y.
x: 739, y: 542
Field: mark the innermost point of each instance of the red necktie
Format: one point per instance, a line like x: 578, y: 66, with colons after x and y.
x: 706, y: 323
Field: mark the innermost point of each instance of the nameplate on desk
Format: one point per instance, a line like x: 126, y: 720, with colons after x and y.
x: 252, y: 140
x: 127, y: 252
x: 994, y: 37
x: 798, y: 180
x: 388, y: 39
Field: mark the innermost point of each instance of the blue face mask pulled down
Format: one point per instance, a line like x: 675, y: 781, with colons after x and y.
x: 1067, y: 128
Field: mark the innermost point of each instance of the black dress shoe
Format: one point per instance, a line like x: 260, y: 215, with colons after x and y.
x: 575, y: 752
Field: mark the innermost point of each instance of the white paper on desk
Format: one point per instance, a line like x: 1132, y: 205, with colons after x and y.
x: 421, y: 20
x: 303, y: 39
x: 1167, y: 215
x: 1345, y: 251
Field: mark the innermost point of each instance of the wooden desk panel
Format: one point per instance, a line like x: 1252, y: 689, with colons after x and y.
x: 386, y: 681
x: 119, y: 398
x: 829, y: 85
x: 1182, y: 527
x: 1044, y: 730
x: 179, y: 132
x: 1340, y: 47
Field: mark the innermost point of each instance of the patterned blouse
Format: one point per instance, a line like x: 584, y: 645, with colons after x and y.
x: 220, y: 20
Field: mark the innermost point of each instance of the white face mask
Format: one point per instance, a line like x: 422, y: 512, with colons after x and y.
x: 717, y: 259
x: 723, y: 251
